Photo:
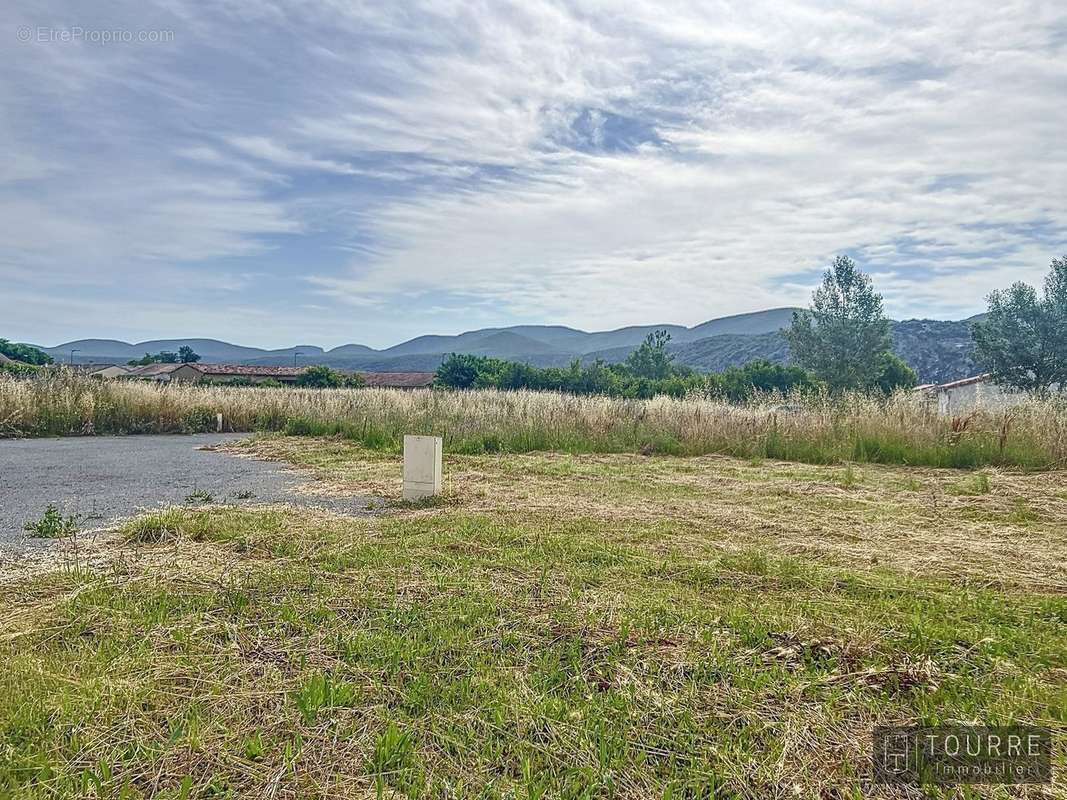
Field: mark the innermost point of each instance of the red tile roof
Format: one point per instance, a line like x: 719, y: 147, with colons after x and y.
x: 150, y: 370
x: 94, y: 366
x: 965, y: 381
x: 250, y: 370
x: 398, y: 380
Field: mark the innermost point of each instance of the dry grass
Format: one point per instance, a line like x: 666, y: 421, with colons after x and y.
x: 992, y: 526
x: 814, y: 430
x: 597, y: 625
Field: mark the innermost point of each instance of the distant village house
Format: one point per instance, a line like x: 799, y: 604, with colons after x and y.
x: 969, y: 394
x: 102, y: 370
x: 228, y: 373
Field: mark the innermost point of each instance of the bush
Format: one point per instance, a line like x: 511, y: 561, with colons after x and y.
x: 24, y: 353
x: 18, y: 369
x: 320, y: 377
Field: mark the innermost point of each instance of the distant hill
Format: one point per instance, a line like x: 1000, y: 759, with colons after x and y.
x: 351, y: 350
x: 938, y: 350
x: 746, y: 324
x: 99, y: 350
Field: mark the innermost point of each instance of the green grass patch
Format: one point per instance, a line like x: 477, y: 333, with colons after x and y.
x: 496, y: 655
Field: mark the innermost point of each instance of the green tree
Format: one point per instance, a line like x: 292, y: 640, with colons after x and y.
x: 320, y: 377
x: 187, y: 355
x: 164, y: 357
x: 651, y: 360
x: 844, y: 337
x: 24, y: 353
x: 760, y: 377
x: 466, y: 371
x: 895, y: 374
x: 1023, y: 340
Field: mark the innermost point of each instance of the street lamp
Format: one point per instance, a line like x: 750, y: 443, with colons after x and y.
x: 72, y: 352
x: 295, y: 354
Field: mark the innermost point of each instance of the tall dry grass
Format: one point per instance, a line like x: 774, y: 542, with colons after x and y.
x: 1032, y: 435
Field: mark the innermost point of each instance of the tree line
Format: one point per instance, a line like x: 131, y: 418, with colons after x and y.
x: 647, y: 372
x: 841, y: 342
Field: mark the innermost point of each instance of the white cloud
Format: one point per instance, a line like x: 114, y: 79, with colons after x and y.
x: 264, y: 149
x: 570, y: 162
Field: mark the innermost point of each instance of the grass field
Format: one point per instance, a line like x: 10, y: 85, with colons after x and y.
x: 812, y: 429
x: 558, y: 625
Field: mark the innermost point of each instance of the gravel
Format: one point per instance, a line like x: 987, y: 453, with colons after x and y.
x: 103, y: 478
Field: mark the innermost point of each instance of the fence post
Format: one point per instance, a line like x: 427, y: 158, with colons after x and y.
x: 422, y: 467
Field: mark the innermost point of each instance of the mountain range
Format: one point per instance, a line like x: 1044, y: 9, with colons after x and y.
x: 938, y: 350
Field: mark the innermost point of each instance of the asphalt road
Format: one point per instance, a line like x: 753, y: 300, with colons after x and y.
x: 103, y: 478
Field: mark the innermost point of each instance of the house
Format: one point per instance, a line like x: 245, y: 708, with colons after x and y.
x: 398, y: 380
x: 165, y: 373
x: 969, y: 394
x: 216, y: 373
x: 223, y: 373
x: 254, y: 373
x: 102, y: 370
x: 227, y: 373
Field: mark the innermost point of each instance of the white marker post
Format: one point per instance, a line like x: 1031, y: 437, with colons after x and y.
x: 422, y: 467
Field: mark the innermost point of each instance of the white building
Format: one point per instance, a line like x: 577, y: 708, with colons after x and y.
x: 103, y: 370
x: 968, y: 394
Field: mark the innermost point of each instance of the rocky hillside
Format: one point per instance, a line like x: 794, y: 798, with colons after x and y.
x: 938, y: 350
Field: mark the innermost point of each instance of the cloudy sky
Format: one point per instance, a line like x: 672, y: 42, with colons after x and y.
x: 277, y: 173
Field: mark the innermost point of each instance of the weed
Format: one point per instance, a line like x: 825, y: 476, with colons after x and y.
x: 977, y: 484
x: 322, y: 691
x: 52, y: 524
x: 199, y: 497
x: 160, y: 526
x: 393, y: 756
x: 1021, y: 512
x: 253, y: 746
x: 848, y: 478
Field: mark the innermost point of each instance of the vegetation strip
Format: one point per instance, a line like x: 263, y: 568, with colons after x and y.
x: 814, y: 429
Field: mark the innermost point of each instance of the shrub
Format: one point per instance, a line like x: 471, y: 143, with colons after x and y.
x: 320, y: 377
x: 24, y: 353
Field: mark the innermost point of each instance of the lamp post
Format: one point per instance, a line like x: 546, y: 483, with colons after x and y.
x: 295, y: 354
x: 72, y: 352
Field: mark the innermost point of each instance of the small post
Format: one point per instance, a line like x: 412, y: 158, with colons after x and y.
x: 218, y: 422
x: 422, y: 467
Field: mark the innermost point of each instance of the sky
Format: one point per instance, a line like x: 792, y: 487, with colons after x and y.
x: 274, y: 173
